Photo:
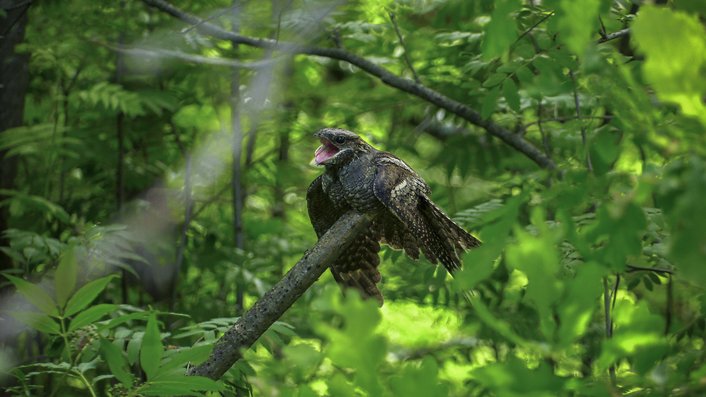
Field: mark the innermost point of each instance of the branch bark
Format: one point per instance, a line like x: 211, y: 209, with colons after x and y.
x: 614, y: 35
x: 276, y: 301
x: 467, y: 113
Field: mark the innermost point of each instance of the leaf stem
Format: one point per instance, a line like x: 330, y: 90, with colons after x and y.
x: 86, y: 382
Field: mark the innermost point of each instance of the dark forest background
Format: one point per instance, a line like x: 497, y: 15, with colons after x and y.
x: 154, y: 161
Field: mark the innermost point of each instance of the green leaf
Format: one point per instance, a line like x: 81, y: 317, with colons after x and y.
x: 479, y: 263
x: 579, y: 302
x: 421, y: 381
x: 494, y: 79
x: 133, y: 347
x: 511, y: 94
x: 674, y: 44
x: 40, y: 322
x: 339, y: 386
x: 35, y: 294
x: 151, y: 350
x: 65, y: 278
x: 604, y: 149
x: 179, y: 384
x: 576, y: 22
x: 490, y: 102
x: 500, y: 32
x: 179, y: 358
x: 537, y: 257
x: 86, y: 294
x: 90, y: 315
x: 514, y: 378
x: 361, y: 319
x: 116, y: 362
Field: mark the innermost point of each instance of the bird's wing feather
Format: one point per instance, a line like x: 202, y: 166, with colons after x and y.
x: 356, y: 267
x: 405, y: 194
x: 322, y: 211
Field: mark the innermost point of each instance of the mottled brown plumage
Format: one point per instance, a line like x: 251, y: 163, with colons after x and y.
x: 362, y: 178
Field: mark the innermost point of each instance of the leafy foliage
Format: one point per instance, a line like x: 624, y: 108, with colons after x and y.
x: 128, y: 260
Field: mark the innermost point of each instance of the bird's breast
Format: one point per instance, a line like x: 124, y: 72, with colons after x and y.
x: 357, y: 179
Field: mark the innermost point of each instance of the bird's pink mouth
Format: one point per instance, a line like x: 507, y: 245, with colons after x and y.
x: 324, y: 152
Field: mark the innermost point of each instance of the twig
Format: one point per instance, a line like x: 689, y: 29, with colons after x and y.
x: 603, y: 32
x: 210, y: 201
x: 564, y: 119
x: 614, y: 35
x: 276, y: 301
x: 608, y: 322
x: 670, y: 303
x: 634, y: 268
x: 405, y: 55
x: 403, y: 84
x: 531, y: 28
x: 615, y: 292
x: 212, y: 17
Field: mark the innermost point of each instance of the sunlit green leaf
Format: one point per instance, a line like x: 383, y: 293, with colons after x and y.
x: 419, y: 381
x: 579, y: 302
x: 513, y: 377
x: 500, y: 31
x: 577, y: 23
x: 674, y: 44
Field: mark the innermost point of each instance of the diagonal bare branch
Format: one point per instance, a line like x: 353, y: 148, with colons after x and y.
x: 276, y: 301
x: 403, y: 84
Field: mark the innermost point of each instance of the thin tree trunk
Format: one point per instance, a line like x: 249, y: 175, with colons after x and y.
x: 236, y: 167
x: 183, y: 238
x: 14, y: 77
x: 120, y: 159
x: 278, y: 210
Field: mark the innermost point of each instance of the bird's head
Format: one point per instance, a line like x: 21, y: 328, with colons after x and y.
x: 338, y: 146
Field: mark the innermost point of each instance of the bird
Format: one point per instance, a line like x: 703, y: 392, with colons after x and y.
x: 359, y: 177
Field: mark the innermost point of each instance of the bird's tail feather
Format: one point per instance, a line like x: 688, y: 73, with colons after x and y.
x: 449, y: 240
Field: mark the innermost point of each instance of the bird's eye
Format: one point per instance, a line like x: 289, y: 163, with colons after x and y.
x: 339, y: 139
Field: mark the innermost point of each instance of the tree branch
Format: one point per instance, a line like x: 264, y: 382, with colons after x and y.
x: 276, y: 301
x: 186, y: 57
x: 403, y: 84
x: 405, y: 54
x: 614, y: 35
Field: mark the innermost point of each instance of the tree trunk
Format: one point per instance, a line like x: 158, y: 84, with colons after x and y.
x: 236, y: 167
x: 14, y: 76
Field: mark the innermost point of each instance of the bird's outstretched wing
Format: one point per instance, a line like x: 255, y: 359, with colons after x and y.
x: 323, y: 213
x: 356, y: 267
x: 406, y: 196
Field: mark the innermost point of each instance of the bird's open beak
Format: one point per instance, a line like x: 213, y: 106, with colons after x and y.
x: 324, y: 152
